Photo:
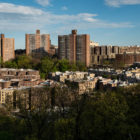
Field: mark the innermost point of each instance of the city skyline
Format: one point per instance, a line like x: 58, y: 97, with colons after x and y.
x: 109, y: 22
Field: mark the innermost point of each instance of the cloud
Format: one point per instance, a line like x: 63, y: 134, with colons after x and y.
x: 43, y: 2
x: 64, y: 8
x: 25, y: 18
x: 18, y: 9
x: 118, y: 3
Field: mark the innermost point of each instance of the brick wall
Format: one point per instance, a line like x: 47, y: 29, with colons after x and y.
x: 127, y: 59
x: 74, y: 47
x: 7, y: 48
x: 37, y: 43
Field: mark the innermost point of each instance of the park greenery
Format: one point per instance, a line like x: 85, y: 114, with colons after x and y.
x: 44, y: 65
x: 64, y: 115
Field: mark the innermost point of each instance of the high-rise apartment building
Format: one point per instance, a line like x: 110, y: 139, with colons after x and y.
x: 75, y: 48
x: 37, y: 43
x: 7, y: 48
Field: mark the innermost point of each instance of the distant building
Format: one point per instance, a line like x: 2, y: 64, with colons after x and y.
x: 37, y: 43
x: 53, y: 50
x: 75, y: 48
x: 128, y: 58
x: 92, y: 44
x: 7, y: 48
x: 129, y: 49
x: 101, y: 53
x: 20, y: 52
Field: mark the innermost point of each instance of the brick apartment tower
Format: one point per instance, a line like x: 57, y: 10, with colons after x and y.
x: 75, y: 48
x: 37, y: 43
x: 7, y: 48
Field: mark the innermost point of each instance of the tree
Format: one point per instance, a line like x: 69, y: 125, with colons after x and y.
x: 47, y: 65
x: 104, y: 115
x: 24, y: 61
x: 37, y: 115
x: 63, y: 65
x: 81, y: 66
x: 73, y: 67
x: 59, y: 113
x: 106, y: 62
x: 10, y: 64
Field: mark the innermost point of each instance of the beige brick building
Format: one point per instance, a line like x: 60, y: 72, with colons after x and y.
x: 6, y: 94
x: 101, y: 53
x: 82, y: 86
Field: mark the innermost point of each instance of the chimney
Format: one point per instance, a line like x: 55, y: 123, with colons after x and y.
x: 2, y: 35
x: 37, y: 31
x: 74, y: 31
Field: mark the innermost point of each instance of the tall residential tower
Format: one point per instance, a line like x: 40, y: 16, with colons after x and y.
x: 37, y: 43
x: 7, y: 48
x: 75, y: 48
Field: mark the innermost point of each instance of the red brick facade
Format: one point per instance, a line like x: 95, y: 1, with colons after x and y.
x: 74, y: 47
x: 7, y: 47
x: 128, y: 58
x: 37, y: 43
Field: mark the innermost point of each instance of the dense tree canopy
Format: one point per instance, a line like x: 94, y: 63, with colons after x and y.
x: 64, y: 115
x: 44, y: 65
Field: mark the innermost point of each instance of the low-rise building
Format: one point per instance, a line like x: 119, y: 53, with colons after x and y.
x: 79, y: 81
x: 105, y: 71
x: 6, y: 95
x: 131, y: 75
x: 28, y: 83
x: 61, y: 77
x: 108, y: 84
x: 4, y: 84
x: 82, y: 86
x: 8, y: 74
